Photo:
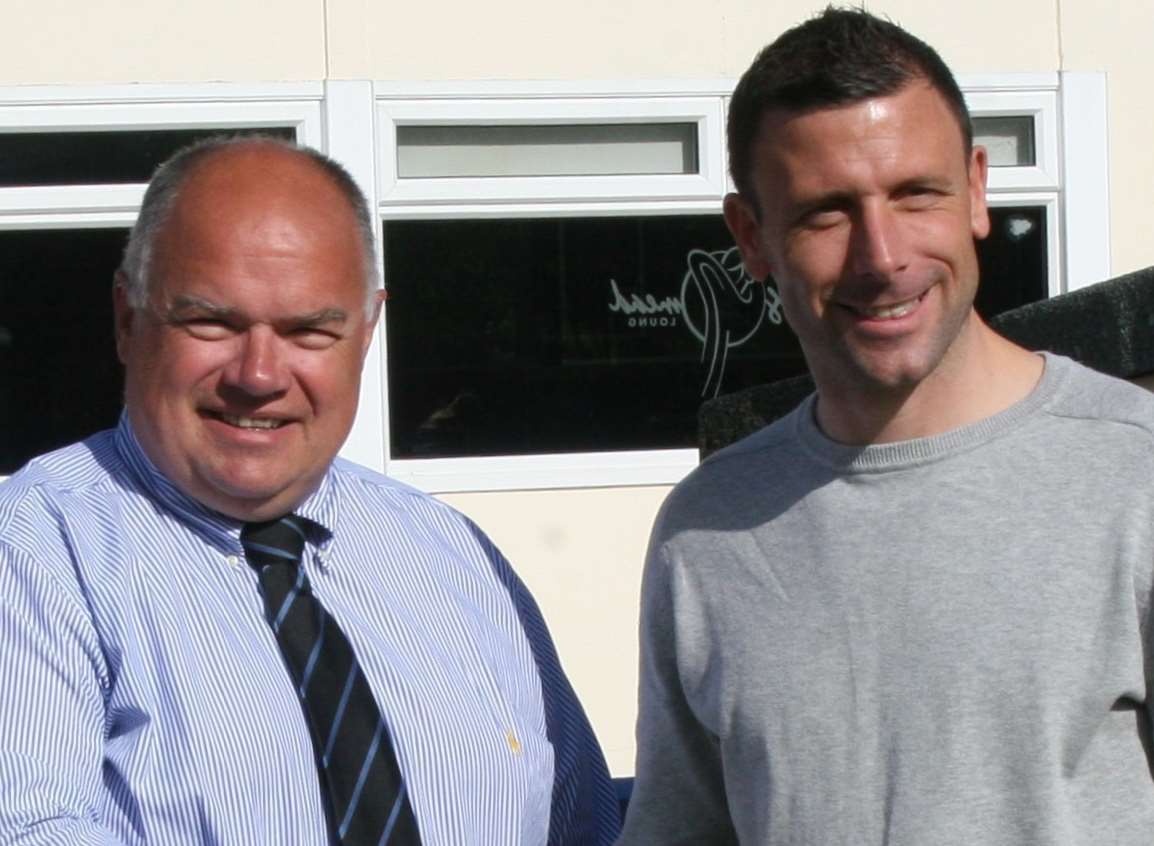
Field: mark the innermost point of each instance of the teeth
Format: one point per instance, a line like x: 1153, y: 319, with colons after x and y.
x: 251, y: 422
x: 891, y: 311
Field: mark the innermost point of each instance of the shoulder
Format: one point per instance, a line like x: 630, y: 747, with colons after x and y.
x: 376, y: 490
x: 737, y: 487
x: 1099, y: 400
x: 401, y: 512
x: 60, y: 524
x: 83, y: 472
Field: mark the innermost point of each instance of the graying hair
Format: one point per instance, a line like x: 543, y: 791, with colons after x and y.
x: 170, y: 177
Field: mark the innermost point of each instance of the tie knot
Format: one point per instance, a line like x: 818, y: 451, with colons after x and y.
x: 278, y: 541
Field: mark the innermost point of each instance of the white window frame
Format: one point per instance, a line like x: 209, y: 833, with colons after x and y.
x: 355, y: 122
x: 1041, y: 106
x: 1049, y: 202
x: 34, y: 109
x: 703, y: 113
x: 220, y: 106
x: 1039, y: 96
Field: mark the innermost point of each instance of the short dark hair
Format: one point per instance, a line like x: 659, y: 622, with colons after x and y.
x: 840, y: 56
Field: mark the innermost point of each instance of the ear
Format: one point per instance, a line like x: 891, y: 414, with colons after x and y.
x: 979, y: 213
x: 122, y: 313
x: 745, y: 225
x: 378, y: 298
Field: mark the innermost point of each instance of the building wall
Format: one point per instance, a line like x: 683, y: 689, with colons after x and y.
x: 580, y: 550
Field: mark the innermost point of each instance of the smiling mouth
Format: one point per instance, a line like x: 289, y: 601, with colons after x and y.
x: 888, y: 312
x: 242, y: 422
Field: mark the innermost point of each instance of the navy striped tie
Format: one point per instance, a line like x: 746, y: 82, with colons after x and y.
x: 365, y: 796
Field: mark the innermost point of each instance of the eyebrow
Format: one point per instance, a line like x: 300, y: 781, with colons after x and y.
x: 319, y: 318
x: 184, y: 305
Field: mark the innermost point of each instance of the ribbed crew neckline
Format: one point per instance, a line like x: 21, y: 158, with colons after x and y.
x: 877, y: 458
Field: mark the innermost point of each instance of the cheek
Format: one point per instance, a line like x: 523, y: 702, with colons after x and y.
x: 801, y: 307
x: 178, y: 371
x: 331, y: 382
x: 816, y: 260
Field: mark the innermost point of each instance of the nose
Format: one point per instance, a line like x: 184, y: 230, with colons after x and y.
x: 879, y: 246
x: 259, y: 367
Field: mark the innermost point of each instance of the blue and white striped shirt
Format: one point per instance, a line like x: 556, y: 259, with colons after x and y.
x: 143, y: 698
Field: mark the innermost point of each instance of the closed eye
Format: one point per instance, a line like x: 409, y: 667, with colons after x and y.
x: 824, y: 216
x: 918, y: 196
x: 207, y: 328
x: 314, y: 337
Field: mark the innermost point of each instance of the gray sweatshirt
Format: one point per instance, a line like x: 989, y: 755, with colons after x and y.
x: 932, y: 642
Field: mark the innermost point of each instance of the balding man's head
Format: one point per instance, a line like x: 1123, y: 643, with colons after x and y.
x: 245, y: 323
x: 169, y: 180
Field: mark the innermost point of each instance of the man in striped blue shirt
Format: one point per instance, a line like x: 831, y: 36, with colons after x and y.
x: 143, y: 696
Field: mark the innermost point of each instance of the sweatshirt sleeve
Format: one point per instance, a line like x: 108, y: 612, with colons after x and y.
x: 679, y: 792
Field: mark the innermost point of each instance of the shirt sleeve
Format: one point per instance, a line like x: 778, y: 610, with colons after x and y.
x: 678, y: 792
x: 51, y: 709
x: 584, y: 807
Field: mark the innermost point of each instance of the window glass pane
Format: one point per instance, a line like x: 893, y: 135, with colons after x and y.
x: 99, y: 158
x: 569, y: 335
x: 593, y: 334
x: 1009, y: 141
x: 59, y: 377
x: 546, y: 150
x: 1015, y: 270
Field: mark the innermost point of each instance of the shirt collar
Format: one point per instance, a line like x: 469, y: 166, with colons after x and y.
x: 320, y: 507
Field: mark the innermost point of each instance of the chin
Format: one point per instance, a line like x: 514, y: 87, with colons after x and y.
x: 230, y: 493
x: 892, y: 374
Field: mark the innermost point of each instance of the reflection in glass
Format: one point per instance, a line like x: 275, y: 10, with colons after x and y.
x: 1015, y: 268
x: 569, y: 335
x: 594, y: 334
x: 505, y: 336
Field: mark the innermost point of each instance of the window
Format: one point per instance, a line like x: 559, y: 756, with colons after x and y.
x: 59, y: 378
x: 108, y: 157
x: 556, y: 314
x: 73, y: 166
x: 562, y: 290
x: 569, y: 334
x: 626, y: 149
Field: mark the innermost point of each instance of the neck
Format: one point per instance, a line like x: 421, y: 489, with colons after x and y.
x: 981, y: 375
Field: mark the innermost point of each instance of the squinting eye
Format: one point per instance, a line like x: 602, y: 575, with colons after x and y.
x: 208, y: 329
x: 314, y: 339
x: 823, y: 218
x: 919, y: 198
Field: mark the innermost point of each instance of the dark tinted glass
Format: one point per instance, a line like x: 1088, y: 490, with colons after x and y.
x: 59, y: 377
x: 514, y: 336
x: 98, y: 158
x: 569, y: 335
x: 1013, y: 260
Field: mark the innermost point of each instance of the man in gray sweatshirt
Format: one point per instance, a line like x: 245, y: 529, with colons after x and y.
x: 916, y: 610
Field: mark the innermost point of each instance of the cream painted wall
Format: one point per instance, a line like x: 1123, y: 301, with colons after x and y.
x: 64, y: 41
x: 1115, y: 37
x: 580, y: 553
x: 608, y: 39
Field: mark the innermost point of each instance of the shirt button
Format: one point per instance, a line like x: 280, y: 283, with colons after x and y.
x: 514, y: 743
x: 233, y: 560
